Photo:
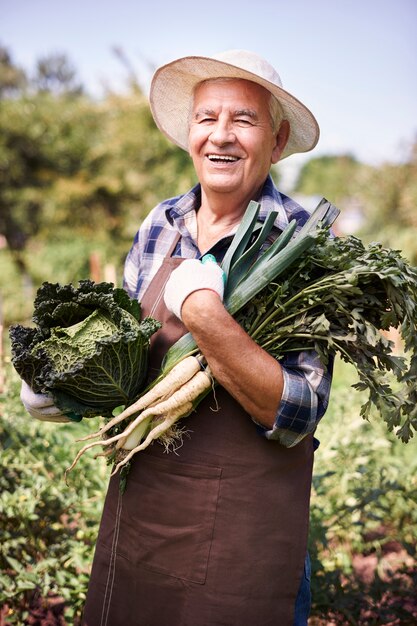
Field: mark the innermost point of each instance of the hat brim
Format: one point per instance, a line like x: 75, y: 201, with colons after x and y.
x: 171, y: 97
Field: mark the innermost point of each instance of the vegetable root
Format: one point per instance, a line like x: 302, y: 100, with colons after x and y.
x: 131, y: 441
x: 174, y: 380
x: 189, y: 392
x: 157, y: 431
x: 106, y: 442
x: 103, y: 442
x: 166, y: 411
x: 178, y: 376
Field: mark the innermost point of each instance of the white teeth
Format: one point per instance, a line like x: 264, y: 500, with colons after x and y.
x: 218, y: 157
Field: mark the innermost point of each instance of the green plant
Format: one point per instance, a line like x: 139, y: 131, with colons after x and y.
x: 363, y: 514
x: 48, y: 528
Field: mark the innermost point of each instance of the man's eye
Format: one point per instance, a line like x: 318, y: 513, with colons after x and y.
x: 243, y: 121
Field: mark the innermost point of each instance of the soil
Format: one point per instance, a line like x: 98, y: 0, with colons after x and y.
x: 41, y: 612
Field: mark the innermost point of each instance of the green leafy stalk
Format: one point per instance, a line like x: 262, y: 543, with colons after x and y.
x: 333, y: 296
x: 263, y: 267
x: 339, y: 298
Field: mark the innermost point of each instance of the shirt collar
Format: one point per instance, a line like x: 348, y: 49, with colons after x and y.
x: 190, y: 201
x: 270, y: 199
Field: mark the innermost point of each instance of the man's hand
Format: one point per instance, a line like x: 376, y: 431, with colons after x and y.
x: 41, y: 406
x: 251, y: 375
x: 192, y: 275
x: 254, y: 378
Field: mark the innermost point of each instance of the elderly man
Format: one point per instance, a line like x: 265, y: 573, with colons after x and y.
x: 216, y: 534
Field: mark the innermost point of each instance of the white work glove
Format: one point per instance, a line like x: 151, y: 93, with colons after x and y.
x: 193, y: 275
x: 41, y: 406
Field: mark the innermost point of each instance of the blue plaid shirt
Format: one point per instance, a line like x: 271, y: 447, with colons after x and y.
x: 306, y: 381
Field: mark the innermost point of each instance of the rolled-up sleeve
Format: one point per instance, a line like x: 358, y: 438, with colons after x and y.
x: 304, y: 399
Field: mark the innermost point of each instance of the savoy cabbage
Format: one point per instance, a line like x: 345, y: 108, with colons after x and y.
x: 89, y: 347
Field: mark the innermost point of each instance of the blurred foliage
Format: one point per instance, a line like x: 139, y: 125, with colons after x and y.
x: 390, y: 198
x: 363, y: 517
x: 53, y: 73
x: 93, y: 167
x: 45, y: 142
x: 385, y: 196
x: 56, y: 74
x: 333, y: 177
x: 12, y: 78
x: 48, y: 528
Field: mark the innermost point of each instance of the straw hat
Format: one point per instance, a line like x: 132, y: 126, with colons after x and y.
x: 173, y: 84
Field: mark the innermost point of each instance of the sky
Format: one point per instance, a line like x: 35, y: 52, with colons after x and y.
x: 352, y: 62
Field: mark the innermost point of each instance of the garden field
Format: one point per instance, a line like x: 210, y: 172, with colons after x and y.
x: 363, y: 517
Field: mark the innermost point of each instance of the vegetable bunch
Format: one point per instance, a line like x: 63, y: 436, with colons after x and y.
x: 336, y: 299
x: 311, y: 292
x: 89, y: 348
x: 185, y: 378
x: 308, y: 292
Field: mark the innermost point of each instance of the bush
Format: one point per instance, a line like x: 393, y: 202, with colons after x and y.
x: 48, y: 528
x: 363, y: 517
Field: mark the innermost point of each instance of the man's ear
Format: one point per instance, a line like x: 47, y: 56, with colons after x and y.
x: 281, y: 141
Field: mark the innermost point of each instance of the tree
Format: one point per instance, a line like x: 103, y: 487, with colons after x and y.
x: 386, y: 195
x: 390, y: 200
x: 13, y: 79
x: 42, y: 138
x: 335, y: 177
x: 56, y: 74
x: 83, y: 168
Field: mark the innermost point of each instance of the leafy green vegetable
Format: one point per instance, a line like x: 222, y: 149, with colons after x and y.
x: 248, y: 271
x: 337, y: 298
x: 89, y: 347
x: 182, y: 383
x: 331, y: 295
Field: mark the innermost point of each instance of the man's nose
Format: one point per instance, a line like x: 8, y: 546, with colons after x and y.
x: 222, y: 133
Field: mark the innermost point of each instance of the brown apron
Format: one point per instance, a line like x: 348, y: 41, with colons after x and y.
x: 214, y: 534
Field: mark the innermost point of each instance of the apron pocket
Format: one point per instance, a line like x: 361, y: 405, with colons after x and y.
x: 168, y: 516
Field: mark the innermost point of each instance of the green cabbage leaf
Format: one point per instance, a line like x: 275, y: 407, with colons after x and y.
x: 88, y: 348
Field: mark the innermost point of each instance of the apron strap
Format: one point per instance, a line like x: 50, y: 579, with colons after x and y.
x: 172, y: 247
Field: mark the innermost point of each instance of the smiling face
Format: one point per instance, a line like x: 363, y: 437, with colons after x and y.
x: 231, y: 140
